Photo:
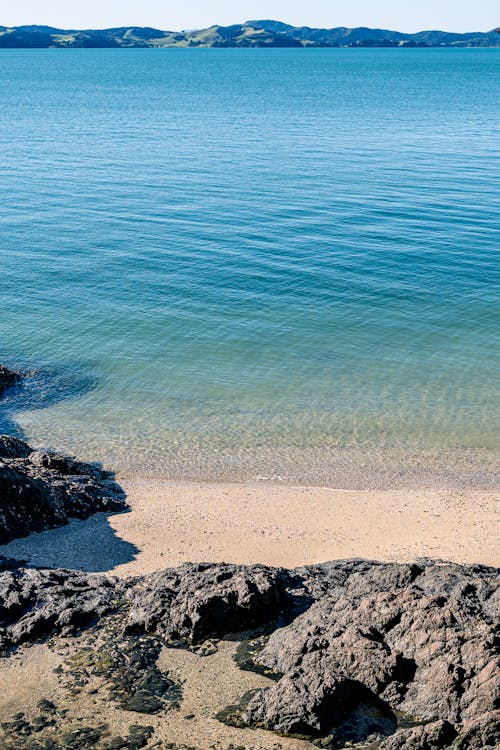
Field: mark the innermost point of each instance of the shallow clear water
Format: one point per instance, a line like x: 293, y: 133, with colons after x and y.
x: 241, y: 264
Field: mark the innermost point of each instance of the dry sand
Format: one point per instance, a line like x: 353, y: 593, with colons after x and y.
x: 171, y: 523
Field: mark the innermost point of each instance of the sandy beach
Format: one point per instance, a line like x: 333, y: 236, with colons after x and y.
x: 171, y: 523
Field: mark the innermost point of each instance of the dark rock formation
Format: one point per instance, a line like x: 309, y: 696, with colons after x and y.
x: 11, y: 447
x: 417, y: 640
x: 435, y: 734
x: 482, y: 732
x: 8, y: 379
x: 402, y: 657
x: 195, y: 602
x: 41, y: 490
x: 36, y: 603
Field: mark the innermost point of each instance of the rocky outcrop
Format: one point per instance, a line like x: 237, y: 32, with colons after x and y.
x: 401, y: 657
x: 36, y: 603
x: 41, y: 490
x: 8, y: 379
x: 43, y: 732
x: 195, y: 602
x: 482, y: 732
x: 416, y: 640
x: 435, y: 734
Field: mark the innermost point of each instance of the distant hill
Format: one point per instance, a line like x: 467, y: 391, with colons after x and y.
x: 265, y: 33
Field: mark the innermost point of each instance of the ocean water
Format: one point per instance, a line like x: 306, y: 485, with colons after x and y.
x: 254, y: 264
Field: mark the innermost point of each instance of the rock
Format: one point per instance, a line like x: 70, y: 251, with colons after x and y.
x: 41, y: 490
x: 195, y: 602
x: 419, y: 640
x: 26, y: 505
x: 67, y: 465
x: 128, y: 666
x: 24, y: 735
x: 38, y: 603
x: 8, y: 379
x: 303, y: 704
x: 438, y: 734
x: 46, y: 706
x: 398, y: 656
x: 483, y: 732
x: 11, y: 447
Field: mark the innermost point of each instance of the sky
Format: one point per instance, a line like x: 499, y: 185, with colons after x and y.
x: 401, y: 15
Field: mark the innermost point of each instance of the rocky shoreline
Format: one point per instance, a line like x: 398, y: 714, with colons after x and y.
x: 349, y: 653
x: 401, y: 657
x: 42, y: 489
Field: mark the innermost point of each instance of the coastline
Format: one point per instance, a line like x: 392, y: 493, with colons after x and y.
x: 170, y: 523
x: 150, y: 642
x: 249, y: 450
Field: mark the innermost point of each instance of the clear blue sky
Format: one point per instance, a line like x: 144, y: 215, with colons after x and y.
x: 403, y: 15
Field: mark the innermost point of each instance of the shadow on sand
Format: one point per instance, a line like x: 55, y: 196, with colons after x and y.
x: 90, y: 545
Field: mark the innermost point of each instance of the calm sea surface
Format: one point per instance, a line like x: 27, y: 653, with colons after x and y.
x: 254, y: 264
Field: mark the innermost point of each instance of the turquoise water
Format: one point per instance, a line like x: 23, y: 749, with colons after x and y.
x: 254, y: 264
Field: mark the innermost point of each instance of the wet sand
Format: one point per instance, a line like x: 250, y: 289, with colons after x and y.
x: 171, y: 523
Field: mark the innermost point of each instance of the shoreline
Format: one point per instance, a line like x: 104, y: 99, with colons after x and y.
x: 118, y: 637
x: 170, y: 523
